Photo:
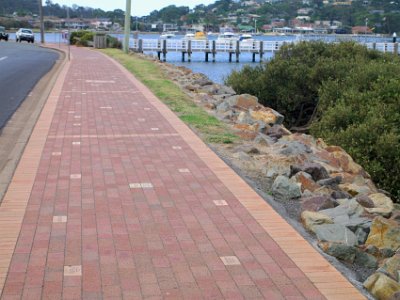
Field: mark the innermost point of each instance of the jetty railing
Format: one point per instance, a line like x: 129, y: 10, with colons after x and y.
x: 231, y: 47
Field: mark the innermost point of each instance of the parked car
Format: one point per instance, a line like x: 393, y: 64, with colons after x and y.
x: 24, y: 34
x: 3, y: 34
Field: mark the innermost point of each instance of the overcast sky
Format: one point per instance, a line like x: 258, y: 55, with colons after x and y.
x: 139, y: 7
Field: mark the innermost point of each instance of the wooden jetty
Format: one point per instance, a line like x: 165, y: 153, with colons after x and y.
x: 232, y: 47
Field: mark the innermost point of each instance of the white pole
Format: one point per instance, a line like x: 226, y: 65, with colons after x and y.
x: 69, y: 37
x: 127, y: 25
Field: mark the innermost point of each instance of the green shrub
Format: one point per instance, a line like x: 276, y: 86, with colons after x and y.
x: 81, y: 37
x: 366, y: 122
x: 113, y: 42
x: 352, y: 92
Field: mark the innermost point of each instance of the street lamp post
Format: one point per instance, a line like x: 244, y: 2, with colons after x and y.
x: 127, y: 25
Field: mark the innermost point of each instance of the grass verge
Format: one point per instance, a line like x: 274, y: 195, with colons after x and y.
x: 209, y: 128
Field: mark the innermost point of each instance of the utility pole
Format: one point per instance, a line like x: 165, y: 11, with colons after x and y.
x: 127, y: 26
x: 41, y: 22
x: 69, y: 36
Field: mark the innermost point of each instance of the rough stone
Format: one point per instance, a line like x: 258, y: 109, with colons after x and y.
x: 267, y: 115
x: 324, y: 190
x: 310, y: 219
x: 209, y: 89
x: 348, y: 208
x: 345, y: 161
x: 365, y: 201
x: 381, y: 286
x: 277, y: 131
x: 317, y: 203
x: 334, y: 181
x: 382, y: 205
x: 226, y: 90
x: 365, y: 260
x: 395, y: 215
x: 247, y: 148
x: 241, y: 155
x: 340, y: 195
x: 284, y: 189
x: 245, y: 118
x: 391, y: 267
x: 223, y: 107
x: 203, y: 81
x: 354, y: 189
x: 264, y: 140
x: 340, y: 251
x: 262, y: 127
x: 317, y: 171
x: 386, y: 253
x: 335, y: 233
x: 361, y: 235
x: 293, y: 148
x: 355, y: 222
x: 306, y: 181
x: 395, y: 296
x: 190, y: 87
x: 244, y: 101
x: 384, y: 233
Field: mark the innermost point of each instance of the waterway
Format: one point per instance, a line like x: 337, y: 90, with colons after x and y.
x: 219, y: 70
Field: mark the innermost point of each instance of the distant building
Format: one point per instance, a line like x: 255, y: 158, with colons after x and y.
x: 361, y: 30
x: 169, y: 27
x: 337, y: 2
x: 304, y: 11
x: 101, y: 23
x: 303, y: 18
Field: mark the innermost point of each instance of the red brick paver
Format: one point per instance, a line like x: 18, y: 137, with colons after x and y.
x: 126, y: 202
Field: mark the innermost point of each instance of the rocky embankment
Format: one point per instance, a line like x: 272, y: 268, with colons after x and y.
x: 320, y: 185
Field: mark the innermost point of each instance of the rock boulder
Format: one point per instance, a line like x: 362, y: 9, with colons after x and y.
x: 381, y: 286
x: 383, y: 205
x: 335, y: 233
x: 384, y: 233
x: 310, y: 219
x: 284, y: 189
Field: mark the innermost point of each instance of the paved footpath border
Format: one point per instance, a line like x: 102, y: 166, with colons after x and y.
x: 331, y: 283
x: 321, y: 273
x: 13, y: 206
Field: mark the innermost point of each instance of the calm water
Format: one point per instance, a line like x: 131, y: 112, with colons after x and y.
x: 219, y: 70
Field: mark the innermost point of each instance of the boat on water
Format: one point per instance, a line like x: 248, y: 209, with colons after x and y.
x: 198, y: 35
x: 167, y: 35
x: 228, y: 36
x: 248, y: 38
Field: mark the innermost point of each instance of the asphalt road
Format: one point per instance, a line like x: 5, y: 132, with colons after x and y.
x: 22, y: 65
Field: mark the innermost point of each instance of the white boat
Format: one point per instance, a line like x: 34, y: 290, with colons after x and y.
x: 198, y: 35
x: 228, y: 36
x: 167, y: 35
x: 247, y: 38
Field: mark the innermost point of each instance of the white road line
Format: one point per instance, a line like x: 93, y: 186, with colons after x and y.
x: 3, y: 58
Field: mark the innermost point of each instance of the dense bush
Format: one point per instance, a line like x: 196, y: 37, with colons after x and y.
x: 363, y: 116
x: 352, y: 92
x: 113, y: 42
x: 83, y: 37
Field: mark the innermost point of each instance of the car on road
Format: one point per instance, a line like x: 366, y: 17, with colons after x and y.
x: 24, y: 34
x: 3, y: 34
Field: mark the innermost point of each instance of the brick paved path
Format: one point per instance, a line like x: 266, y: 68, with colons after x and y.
x: 116, y: 198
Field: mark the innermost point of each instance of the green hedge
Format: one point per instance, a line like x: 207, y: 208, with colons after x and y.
x: 83, y: 37
x: 352, y: 92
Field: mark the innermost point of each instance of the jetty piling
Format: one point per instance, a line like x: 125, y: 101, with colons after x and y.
x: 162, y: 47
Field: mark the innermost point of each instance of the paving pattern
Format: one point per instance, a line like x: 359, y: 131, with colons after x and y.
x: 116, y: 198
